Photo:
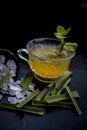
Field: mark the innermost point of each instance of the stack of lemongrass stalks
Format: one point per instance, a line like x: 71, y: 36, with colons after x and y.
x: 55, y: 94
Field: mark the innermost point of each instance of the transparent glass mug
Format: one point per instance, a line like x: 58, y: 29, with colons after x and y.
x: 45, y: 69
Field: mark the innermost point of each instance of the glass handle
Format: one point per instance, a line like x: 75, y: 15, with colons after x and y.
x: 20, y: 54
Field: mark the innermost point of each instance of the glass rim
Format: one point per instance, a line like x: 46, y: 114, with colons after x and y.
x: 70, y: 56
x: 57, y: 60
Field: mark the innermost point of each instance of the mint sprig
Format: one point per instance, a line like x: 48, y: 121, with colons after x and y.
x: 61, y: 34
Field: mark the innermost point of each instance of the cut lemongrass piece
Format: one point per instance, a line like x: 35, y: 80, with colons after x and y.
x: 60, y: 97
x: 5, y: 78
x: 64, y: 77
x: 27, y: 80
x: 63, y: 87
x: 73, y: 101
x: 57, y: 104
x: 28, y: 98
x: 26, y: 108
x: 60, y: 82
x: 42, y: 93
x: 49, y: 91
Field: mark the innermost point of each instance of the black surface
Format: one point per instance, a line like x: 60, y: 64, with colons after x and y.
x: 54, y: 119
x: 19, y: 24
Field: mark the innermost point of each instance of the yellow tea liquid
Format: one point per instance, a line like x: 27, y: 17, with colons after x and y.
x: 46, y: 65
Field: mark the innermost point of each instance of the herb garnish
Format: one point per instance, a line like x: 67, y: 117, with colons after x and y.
x: 61, y: 34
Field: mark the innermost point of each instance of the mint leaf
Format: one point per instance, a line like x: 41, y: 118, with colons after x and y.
x: 70, y: 46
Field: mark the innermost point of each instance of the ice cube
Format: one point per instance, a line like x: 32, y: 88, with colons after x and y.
x: 29, y: 92
x: 13, y: 100
x: 11, y: 64
x: 2, y: 59
x: 4, y: 92
x: 26, y: 92
x: 31, y: 87
x: 12, y: 92
x: 17, y: 82
x: 1, y: 96
x: 14, y: 87
x: 13, y: 72
x: 11, y: 80
x: 1, y: 66
x: 19, y: 95
x: 4, y: 70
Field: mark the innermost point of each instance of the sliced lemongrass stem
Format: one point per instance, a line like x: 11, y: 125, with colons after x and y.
x: 49, y: 91
x: 42, y: 101
x: 5, y: 78
x: 42, y: 93
x: 63, y: 87
x: 27, y: 80
x: 35, y: 110
x: 26, y: 108
x: 53, y: 89
x: 64, y: 77
x: 60, y: 97
x: 60, y: 82
x: 73, y: 101
x: 28, y: 98
x: 59, y: 104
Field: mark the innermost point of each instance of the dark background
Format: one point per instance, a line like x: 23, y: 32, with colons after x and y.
x: 23, y: 21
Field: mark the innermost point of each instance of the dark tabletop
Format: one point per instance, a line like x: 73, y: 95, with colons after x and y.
x: 54, y: 119
x: 16, y: 32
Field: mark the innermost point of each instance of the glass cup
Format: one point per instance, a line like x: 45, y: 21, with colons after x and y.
x: 41, y: 53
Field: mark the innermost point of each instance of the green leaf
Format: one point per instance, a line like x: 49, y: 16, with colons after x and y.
x: 60, y: 29
x: 70, y: 46
x: 59, y: 36
x: 67, y: 31
x: 5, y: 78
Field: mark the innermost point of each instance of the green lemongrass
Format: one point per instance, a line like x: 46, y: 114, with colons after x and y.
x: 73, y: 101
x: 49, y: 91
x: 5, y: 78
x: 28, y: 98
x: 64, y: 77
x: 63, y: 87
x: 60, y: 97
x: 27, y: 80
x: 26, y: 108
x: 43, y: 102
x: 60, y: 82
x: 57, y: 104
x: 42, y: 93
